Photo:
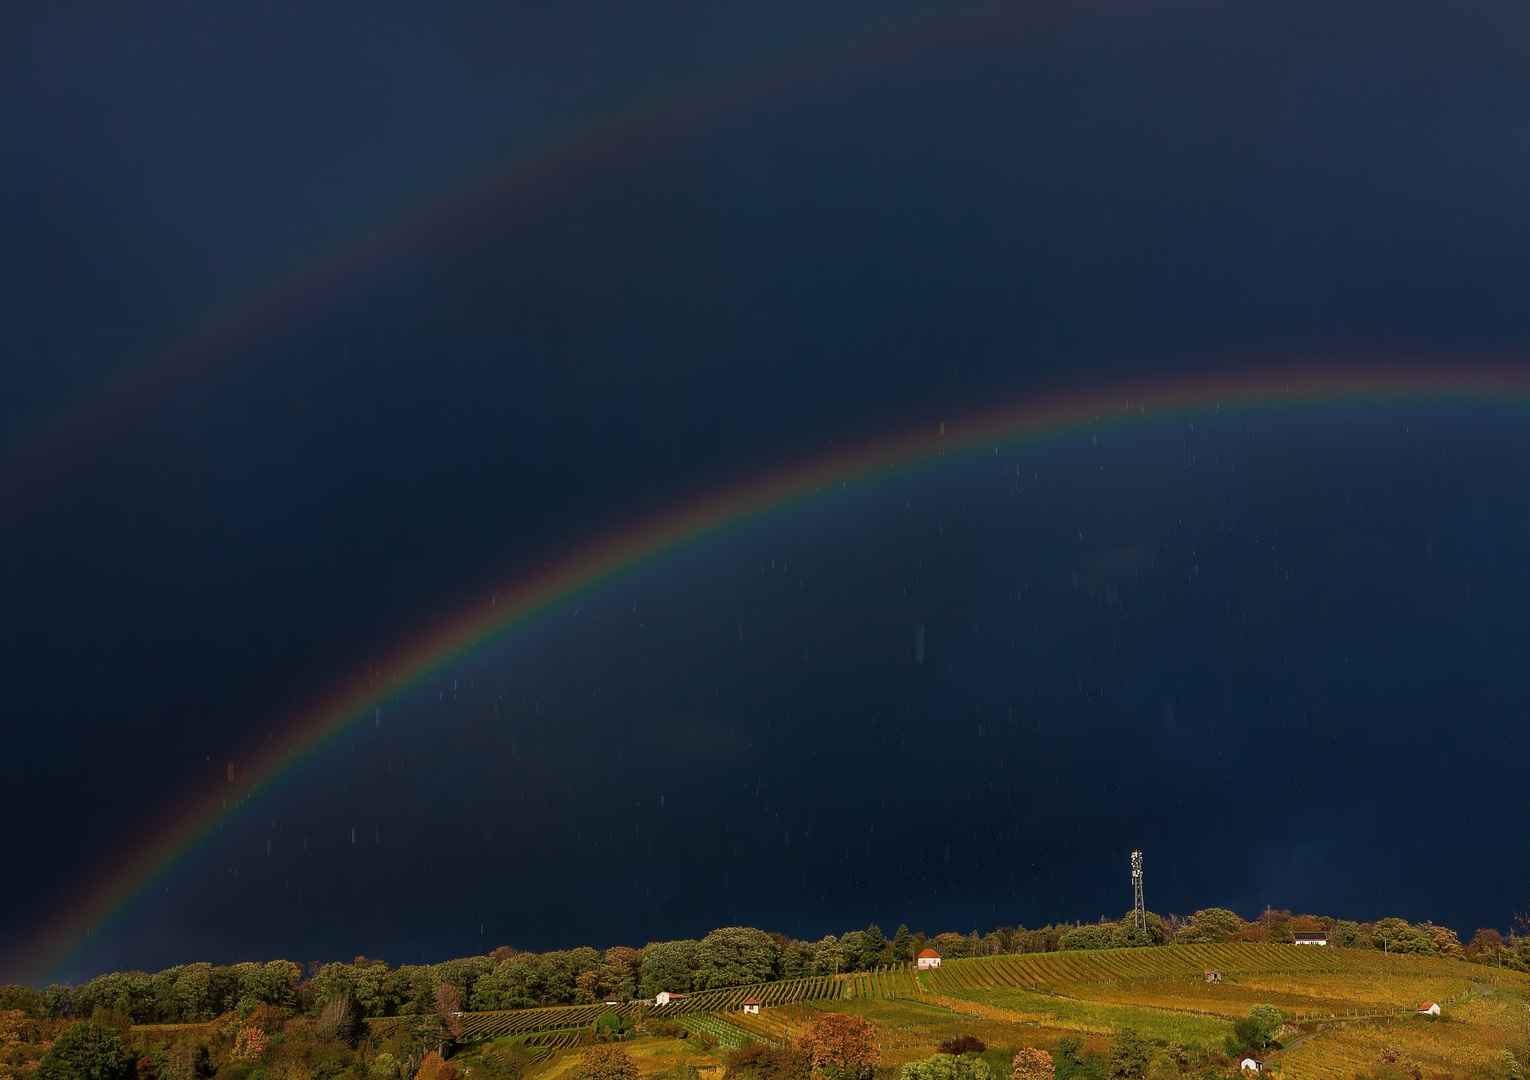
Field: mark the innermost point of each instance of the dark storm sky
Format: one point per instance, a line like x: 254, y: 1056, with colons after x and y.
x: 1282, y: 651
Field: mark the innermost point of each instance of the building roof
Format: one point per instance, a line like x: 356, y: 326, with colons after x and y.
x: 749, y: 1001
x: 929, y: 954
x: 1426, y: 1006
x: 1311, y: 934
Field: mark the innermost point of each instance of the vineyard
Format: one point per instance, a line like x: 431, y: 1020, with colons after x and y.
x: 1343, y: 1007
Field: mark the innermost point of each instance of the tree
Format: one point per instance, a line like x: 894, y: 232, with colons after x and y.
x: 669, y: 965
x: 1346, y: 935
x: 1444, y: 941
x: 737, y: 956
x: 840, y: 1046
x: 1485, y: 946
x: 1069, y: 1060
x: 903, y: 945
x: 1256, y: 1030
x: 339, y: 1020
x: 449, y: 1005
x: 606, y: 1061
x: 1091, y: 936
x: 434, y: 1067
x: 1032, y: 1063
x: 1130, y: 1056
x: 876, y: 942
x: 1210, y: 925
x: 86, y: 1051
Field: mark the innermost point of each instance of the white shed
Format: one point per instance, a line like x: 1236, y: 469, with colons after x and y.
x: 751, y: 1006
x: 1251, y: 1062
x: 1311, y: 939
x: 1429, y: 1008
x: 664, y: 997
x: 927, y: 959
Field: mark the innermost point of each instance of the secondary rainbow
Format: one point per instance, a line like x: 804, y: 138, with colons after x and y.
x: 607, y: 558
x: 223, y: 330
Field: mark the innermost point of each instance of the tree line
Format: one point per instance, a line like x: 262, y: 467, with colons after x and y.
x: 731, y: 956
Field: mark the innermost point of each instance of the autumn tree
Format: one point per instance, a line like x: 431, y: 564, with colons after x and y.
x: 435, y: 1067
x: 1485, y: 946
x: 1444, y: 940
x: 841, y: 1047
x: 1032, y: 1063
x: 606, y: 1061
x: 449, y: 1006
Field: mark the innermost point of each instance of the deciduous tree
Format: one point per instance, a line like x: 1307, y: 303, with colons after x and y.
x: 606, y: 1061
x: 1032, y: 1063
x: 841, y: 1047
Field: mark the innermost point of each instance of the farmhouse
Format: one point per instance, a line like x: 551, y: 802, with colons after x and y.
x: 927, y: 959
x: 1311, y: 939
x: 1429, y: 1008
x: 664, y: 997
x: 1213, y: 975
x: 1251, y: 1062
x: 752, y: 1006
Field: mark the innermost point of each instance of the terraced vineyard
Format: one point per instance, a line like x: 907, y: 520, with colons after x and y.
x: 890, y: 982
x: 493, y: 1025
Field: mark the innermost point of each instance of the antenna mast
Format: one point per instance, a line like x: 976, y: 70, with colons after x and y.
x: 1139, y: 914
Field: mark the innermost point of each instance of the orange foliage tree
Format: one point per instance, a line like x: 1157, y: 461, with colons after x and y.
x: 841, y: 1047
x: 1032, y: 1064
x: 434, y: 1067
x: 606, y: 1061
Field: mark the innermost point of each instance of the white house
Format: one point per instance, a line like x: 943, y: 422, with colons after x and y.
x: 752, y: 1006
x: 664, y: 997
x: 1311, y: 939
x: 1251, y: 1062
x: 1213, y: 975
x: 1429, y: 1008
x: 927, y: 959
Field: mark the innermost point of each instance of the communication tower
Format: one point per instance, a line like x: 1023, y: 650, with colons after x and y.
x: 1139, y: 914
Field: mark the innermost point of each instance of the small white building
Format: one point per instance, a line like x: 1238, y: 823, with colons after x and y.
x: 1429, y: 1008
x: 1251, y: 1062
x: 751, y: 1006
x: 1213, y: 975
x: 927, y: 959
x: 664, y: 997
x: 1311, y: 939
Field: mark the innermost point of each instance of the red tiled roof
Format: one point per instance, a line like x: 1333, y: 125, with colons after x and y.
x: 929, y: 953
x: 1426, y: 1006
x: 750, y: 1001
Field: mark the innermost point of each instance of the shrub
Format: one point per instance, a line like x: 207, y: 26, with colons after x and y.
x: 757, y: 1061
x: 947, y: 1067
x: 962, y: 1044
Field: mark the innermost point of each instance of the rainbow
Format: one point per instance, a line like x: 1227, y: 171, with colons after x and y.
x: 610, y: 557
x: 222, y: 331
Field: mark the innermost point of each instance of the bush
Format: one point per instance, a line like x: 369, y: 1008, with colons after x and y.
x: 757, y: 1061
x: 947, y: 1067
x: 962, y: 1044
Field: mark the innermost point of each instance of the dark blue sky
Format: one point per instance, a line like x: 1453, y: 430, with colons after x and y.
x: 1035, y: 199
